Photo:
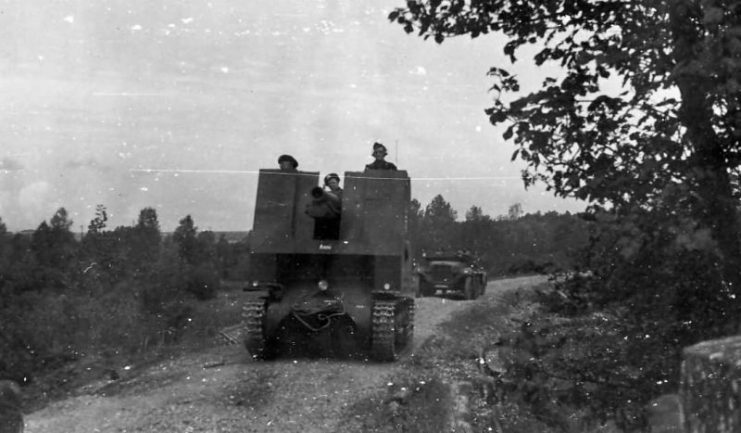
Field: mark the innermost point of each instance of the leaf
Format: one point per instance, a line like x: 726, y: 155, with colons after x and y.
x: 508, y: 133
x: 497, y: 117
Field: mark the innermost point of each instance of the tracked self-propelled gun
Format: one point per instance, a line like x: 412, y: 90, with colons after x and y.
x: 330, y: 276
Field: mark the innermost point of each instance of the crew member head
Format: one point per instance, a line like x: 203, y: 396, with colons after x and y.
x: 287, y: 162
x: 332, y: 180
x: 379, y: 151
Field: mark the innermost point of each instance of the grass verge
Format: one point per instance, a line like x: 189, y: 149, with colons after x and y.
x: 419, y: 398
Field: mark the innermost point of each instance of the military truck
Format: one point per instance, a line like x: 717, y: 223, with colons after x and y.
x: 452, y: 273
x: 330, y: 276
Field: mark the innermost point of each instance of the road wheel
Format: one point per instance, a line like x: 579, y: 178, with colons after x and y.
x: 468, y: 292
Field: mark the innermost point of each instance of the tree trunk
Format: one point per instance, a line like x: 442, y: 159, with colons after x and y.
x: 716, y: 207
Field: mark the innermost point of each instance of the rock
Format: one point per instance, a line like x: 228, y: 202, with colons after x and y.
x: 709, y: 389
x: 664, y: 414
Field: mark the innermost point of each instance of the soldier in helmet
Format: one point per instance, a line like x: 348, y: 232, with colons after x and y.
x: 379, y: 153
x: 287, y: 163
x: 11, y: 417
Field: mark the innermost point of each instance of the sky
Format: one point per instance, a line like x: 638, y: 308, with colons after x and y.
x: 177, y: 104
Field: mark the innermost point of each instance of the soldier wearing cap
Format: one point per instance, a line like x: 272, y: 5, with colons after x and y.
x: 379, y: 153
x: 332, y: 181
x: 326, y: 208
x: 287, y: 163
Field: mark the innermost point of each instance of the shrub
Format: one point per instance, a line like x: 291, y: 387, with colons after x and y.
x: 204, y: 282
x: 609, y: 340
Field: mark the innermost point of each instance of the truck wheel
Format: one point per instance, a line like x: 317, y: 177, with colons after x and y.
x: 468, y: 292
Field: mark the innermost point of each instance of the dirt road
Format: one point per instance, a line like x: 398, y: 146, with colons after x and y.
x: 221, y: 389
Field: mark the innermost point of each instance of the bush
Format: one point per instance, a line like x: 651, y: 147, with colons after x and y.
x: 609, y: 340
x: 204, y: 282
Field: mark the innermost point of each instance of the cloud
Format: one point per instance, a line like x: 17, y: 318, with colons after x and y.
x: 419, y: 70
x: 34, y: 196
x: 9, y: 164
x: 34, y: 199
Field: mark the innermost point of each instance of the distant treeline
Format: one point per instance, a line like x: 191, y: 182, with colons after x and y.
x: 132, y: 288
x: 506, y: 245
x: 114, y: 291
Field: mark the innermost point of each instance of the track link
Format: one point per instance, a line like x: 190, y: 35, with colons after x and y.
x: 253, y: 315
x: 383, y: 337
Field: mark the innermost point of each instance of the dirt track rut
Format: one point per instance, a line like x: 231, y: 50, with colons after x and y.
x: 223, y: 390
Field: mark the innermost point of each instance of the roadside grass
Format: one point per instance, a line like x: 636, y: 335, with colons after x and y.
x: 207, y: 318
x: 107, y: 360
x: 453, y: 355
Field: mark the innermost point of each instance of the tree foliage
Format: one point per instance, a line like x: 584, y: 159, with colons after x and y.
x: 113, y: 290
x: 185, y: 236
x: 98, y: 223
x: 643, y: 120
x: 532, y: 243
x: 438, y: 222
x: 673, y: 122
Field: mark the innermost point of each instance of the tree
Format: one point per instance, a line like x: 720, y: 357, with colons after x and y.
x: 440, y: 211
x: 185, y: 238
x: 53, y: 243
x: 146, y: 239
x: 225, y: 256
x: 674, y: 124
x: 148, y: 219
x: 97, y: 247
x: 515, y: 211
x: 97, y: 224
x: 476, y: 232
x: 4, y: 242
x: 476, y: 214
x: 644, y: 122
x: 439, y: 223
